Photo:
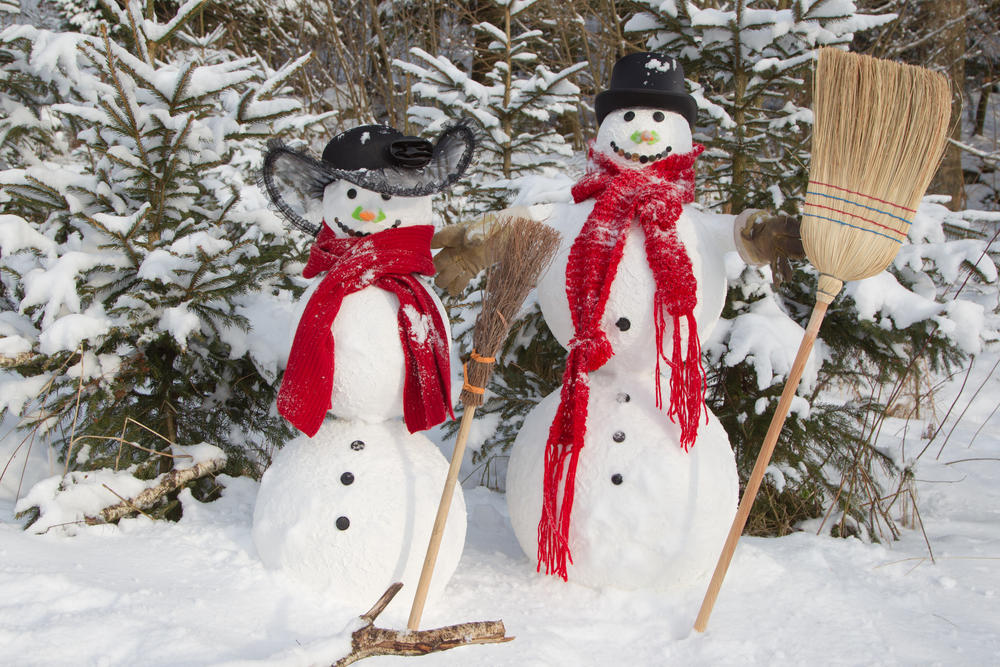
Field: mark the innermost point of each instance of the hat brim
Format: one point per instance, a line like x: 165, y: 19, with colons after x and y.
x: 626, y: 98
x: 295, y: 181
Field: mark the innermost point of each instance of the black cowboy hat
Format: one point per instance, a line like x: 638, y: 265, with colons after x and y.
x: 647, y: 80
x: 373, y: 157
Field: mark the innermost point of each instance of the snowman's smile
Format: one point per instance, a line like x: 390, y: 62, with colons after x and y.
x: 639, y: 157
x: 354, y: 232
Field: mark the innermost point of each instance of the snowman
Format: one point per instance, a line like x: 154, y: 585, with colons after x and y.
x: 347, y: 506
x: 624, y: 477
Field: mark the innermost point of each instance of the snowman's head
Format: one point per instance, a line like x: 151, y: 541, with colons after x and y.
x: 635, y: 137
x: 370, y: 178
x: 350, y: 210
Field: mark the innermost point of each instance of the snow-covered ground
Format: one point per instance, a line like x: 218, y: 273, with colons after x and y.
x: 195, y: 593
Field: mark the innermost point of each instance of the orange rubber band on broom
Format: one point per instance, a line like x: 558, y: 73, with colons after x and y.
x: 473, y: 389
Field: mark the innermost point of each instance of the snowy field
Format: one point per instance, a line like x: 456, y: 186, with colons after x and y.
x: 194, y: 592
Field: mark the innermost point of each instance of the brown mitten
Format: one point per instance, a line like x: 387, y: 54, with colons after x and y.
x: 463, y: 254
x: 763, y: 237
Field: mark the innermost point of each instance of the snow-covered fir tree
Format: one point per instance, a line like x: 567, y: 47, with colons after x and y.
x: 749, y: 66
x: 136, y: 249
x: 516, y: 102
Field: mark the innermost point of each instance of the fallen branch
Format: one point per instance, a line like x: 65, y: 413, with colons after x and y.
x: 170, y: 482
x: 16, y: 360
x: 369, y: 640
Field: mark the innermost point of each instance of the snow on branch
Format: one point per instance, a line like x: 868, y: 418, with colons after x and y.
x: 107, y: 496
x: 993, y: 158
x: 160, y: 32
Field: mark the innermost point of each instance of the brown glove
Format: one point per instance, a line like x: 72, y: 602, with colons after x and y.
x: 462, y: 257
x: 763, y: 237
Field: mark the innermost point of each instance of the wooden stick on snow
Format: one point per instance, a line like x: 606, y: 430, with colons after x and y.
x: 368, y: 640
x: 878, y: 137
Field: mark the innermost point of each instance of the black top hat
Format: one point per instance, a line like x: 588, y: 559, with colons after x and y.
x: 647, y: 80
x: 373, y: 157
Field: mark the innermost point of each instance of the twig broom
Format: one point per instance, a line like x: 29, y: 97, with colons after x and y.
x: 878, y: 136
x: 521, y: 252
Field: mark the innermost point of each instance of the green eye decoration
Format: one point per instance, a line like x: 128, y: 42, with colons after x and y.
x: 645, y: 137
x: 359, y: 214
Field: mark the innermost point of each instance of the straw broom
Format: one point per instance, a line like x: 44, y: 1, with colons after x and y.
x: 522, y: 251
x: 879, y: 133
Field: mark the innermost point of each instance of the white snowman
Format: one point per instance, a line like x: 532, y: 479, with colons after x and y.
x: 349, y: 505
x: 624, y: 477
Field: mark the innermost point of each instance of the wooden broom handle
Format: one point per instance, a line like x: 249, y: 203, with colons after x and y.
x: 763, y: 459
x: 420, y: 597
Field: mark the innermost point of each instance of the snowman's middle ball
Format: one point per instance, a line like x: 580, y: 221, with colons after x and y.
x: 351, y: 511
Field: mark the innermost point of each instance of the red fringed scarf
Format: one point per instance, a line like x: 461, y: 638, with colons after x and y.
x: 387, y: 260
x: 654, y: 196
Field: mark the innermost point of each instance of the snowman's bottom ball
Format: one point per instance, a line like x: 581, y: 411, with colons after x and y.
x: 646, y: 514
x: 351, y: 510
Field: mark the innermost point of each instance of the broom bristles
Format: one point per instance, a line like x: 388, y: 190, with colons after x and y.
x: 879, y: 133
x: 523, y: 249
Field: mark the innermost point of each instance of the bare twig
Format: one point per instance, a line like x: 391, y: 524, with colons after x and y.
x: 76, y: 412
x: 985, y: 422
x: 950, y: 408
x: 121, y: 440
x: 981, y: 458
x: 369, y: 640
x: 989, y: 157
x: 126, y: 501
x: 916, y: 511
x: 967, y: 404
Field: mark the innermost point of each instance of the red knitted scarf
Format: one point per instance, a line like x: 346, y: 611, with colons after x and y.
x: 388, y: 260
x: 654, y: 197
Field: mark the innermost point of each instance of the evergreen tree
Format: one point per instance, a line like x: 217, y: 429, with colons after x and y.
x: 130, y: 261
x: 749, y: 66
x: 518, y: 105
x: 516, y: 102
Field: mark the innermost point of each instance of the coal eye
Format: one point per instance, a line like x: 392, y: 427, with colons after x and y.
x: 386, y: 197
x: 658, y: 116
x: 629, y: 115
x: 352, y: 193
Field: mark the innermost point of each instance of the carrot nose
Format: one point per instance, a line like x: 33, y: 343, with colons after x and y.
x: 367, y: 216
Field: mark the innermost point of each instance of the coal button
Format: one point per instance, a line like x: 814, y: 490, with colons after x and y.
x: 343, y: 522
x: 347, y: 478
x: 623, y: 324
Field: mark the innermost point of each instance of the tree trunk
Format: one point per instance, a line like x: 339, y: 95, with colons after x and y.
x: 950, y: 59
x: 981, y: 107
x: 740, y: 168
